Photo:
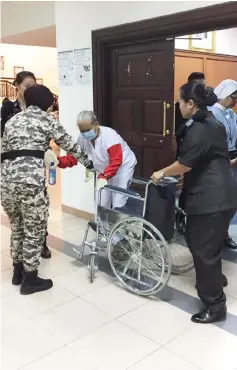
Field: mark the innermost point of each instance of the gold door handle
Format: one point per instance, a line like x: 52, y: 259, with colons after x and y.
x: 165, y: 107
x: 174, y: 120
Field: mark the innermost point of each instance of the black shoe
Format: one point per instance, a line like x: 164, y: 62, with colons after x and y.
x: 32, y: 283
x: 229, y: 243
x: 17, y: 273
x: 45, y: 252
x: 208, y: 317
x: 225, y: 282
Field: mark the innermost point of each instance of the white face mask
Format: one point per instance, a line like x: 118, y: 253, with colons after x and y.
x: 89, y: 135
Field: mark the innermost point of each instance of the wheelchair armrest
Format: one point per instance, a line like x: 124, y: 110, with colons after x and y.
x: 121, y: 190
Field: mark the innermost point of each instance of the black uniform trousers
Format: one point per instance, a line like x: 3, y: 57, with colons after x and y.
x: 204, y: 236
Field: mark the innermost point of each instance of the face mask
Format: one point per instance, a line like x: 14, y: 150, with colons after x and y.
x: 89, y: 135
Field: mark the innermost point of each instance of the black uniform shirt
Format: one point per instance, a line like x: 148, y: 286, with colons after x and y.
x: 8, y: 110
x: 209, y: 187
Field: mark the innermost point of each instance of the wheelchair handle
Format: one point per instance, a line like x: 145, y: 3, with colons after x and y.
x: 140, y: 180
x: 166, y: 180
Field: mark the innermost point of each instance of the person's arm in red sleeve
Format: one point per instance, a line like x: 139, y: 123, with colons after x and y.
x: 115, y: 161
x: 67, y: 161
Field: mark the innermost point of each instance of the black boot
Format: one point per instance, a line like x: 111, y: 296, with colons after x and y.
x: 207, y: 316
x: 45, y: 252
x: 17, y: 273
x: 31, y: 283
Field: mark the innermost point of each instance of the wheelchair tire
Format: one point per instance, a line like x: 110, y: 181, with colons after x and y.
x: 148, y: 257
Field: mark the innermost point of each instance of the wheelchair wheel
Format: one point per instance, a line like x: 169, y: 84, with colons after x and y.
x: 182, y: 260
x: 139, y: 256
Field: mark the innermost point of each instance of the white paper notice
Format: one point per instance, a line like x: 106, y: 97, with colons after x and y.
x: 66, y: 67
x: 82, y: 65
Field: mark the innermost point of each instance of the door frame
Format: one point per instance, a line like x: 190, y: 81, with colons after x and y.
x: 209, y: 18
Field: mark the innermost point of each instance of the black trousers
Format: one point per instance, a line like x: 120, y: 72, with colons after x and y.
x: 204, y: 236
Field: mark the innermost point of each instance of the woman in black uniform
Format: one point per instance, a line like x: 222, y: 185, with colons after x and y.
x: 210, y: 196
x: 22, y: 81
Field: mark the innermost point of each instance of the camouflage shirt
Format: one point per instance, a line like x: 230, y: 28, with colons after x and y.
x: 31, y: 129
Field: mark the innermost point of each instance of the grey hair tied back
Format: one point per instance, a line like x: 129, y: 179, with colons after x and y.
x: 87, y: 115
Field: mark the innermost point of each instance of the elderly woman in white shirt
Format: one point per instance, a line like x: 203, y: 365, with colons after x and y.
x: 226, y: 93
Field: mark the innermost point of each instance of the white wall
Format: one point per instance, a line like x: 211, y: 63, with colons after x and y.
x: 43, y: 62
x: 22, y: 16
x: 74, y: 23
x: 225, y: 42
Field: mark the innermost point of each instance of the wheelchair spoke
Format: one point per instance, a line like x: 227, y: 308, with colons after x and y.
x: 127, y: 265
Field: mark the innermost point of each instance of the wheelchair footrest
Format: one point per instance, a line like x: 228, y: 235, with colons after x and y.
x: 93, y: 226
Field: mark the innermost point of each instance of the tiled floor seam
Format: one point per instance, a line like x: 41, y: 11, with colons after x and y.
x: 144, y: 335
x: 130, y: 367
x: 47, y: 354
x: 183, y: 358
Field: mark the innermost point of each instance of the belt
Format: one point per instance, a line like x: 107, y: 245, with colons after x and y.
x: 13, y: 154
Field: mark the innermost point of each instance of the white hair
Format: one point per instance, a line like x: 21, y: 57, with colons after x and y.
x: 87, y: 115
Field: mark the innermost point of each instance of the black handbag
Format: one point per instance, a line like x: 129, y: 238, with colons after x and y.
x: 160, y: 209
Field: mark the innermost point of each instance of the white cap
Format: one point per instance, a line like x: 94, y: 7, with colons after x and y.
x: 225, y: 89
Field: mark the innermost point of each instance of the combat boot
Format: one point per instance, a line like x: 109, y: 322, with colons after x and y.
x: 17, y: 273
x: 45, y: 252
x: 31, y: 283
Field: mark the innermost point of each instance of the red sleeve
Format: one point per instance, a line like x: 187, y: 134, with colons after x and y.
x: 67, y: 161
x: 115, y: 161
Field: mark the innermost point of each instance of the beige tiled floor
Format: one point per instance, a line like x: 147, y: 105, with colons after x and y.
x: 82, y: 326
x: 207, y: 346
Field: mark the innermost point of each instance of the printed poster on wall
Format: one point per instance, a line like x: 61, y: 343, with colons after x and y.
x: 66, y: 67
x: 82, y: 65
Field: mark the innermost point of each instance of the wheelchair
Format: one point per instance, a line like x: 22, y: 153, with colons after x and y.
x: 140, y: 238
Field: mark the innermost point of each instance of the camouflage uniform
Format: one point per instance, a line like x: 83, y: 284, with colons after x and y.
x: 23, y: 192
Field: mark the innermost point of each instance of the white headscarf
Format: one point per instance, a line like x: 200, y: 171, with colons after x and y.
x: 225, y: 89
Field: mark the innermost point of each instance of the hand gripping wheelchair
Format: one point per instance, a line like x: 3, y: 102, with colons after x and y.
x: 143, y: 239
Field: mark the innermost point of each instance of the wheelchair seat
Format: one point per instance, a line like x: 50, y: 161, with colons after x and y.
x: 133, y: 207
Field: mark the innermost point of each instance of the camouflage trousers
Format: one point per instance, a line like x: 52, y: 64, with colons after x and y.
x: 27, y: 207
